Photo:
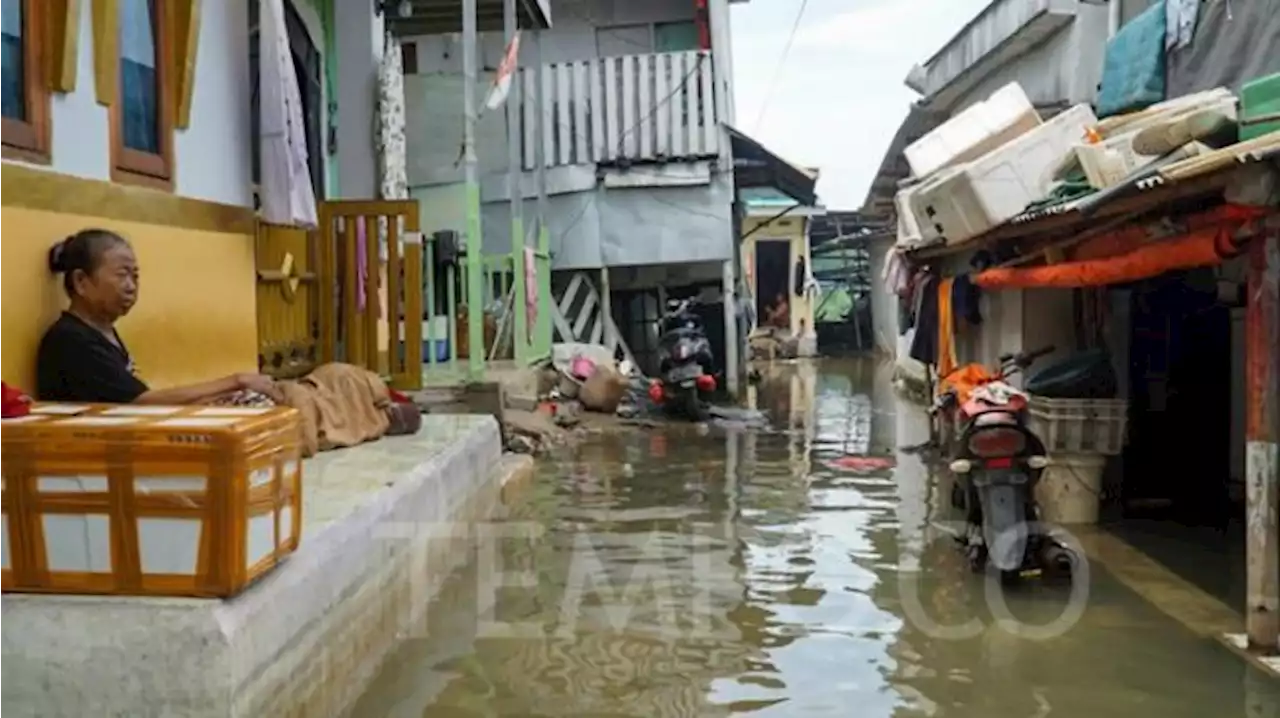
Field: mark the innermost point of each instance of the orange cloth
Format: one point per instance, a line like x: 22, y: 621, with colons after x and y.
x: 1198, y: 249
x: 1132, y: 253
x: 964, y: 380
x: 1129, y: 238
x: 946, y: 329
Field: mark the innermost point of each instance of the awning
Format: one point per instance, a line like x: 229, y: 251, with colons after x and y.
x: 1129, y: 254
x: 755, y: 166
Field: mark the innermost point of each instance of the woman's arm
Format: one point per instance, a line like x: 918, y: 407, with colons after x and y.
x: 191, y: 393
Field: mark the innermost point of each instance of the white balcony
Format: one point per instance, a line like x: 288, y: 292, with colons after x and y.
x: 657, y: 107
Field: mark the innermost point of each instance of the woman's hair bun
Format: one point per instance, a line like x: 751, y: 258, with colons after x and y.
x: 56, y: 255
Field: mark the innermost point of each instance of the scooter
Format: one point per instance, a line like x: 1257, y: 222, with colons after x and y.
x: 997, y: 463
x: 684, y: 362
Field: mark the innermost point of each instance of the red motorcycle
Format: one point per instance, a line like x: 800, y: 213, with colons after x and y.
x: 997, y: 462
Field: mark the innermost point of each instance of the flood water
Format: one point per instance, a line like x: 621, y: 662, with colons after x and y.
x: 677, y: 572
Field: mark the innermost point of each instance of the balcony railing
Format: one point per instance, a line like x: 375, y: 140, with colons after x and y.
x: 631, y: 108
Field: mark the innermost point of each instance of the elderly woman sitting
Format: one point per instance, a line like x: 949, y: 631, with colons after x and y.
x: 82, y: 358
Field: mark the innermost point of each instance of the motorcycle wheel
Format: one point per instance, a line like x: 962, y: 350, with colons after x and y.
x: 695, y: 408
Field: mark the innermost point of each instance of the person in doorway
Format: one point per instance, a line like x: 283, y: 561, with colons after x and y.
x: 82, y: 358
x: 778, y: 314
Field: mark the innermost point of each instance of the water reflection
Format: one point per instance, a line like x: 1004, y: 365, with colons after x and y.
x: 672, y: 573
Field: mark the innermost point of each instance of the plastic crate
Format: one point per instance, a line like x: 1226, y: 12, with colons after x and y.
x: 1079, y: 426
x: 149, y: 500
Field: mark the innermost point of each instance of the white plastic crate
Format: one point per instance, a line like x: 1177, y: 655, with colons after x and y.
x: 980, y: 128
x: 1079, y: 426
x: 962, y: 202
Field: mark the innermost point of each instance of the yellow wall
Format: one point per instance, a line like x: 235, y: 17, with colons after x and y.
x: 791, y: 229
x: 195, y: 318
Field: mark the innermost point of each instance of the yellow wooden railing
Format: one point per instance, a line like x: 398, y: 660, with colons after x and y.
x: 372, y: 318
x: 367, y: 288
x: 288, y: 308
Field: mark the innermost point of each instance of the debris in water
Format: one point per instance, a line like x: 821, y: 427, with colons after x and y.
x: 861, y: 463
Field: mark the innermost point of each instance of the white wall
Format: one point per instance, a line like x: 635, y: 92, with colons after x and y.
x: 884, y: 304
x: 211, y: 157
x: 1066, y: 67
x: 359, y: 50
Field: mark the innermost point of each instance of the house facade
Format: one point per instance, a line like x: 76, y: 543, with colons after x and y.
x: 620, y: 111
x: 147, y: 134
x: 146, y: 119
x: 777, y: 263
x: 1192, y: 344
x: 1054, y: 50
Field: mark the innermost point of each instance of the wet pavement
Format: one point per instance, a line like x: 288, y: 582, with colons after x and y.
x: 679, y: 571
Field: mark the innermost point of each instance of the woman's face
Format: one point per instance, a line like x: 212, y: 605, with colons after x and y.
x: 112, y: 288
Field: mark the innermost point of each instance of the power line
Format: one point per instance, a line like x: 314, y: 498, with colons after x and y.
x: 777, y: 72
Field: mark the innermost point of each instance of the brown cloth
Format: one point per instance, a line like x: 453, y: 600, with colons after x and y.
x: 341, y: 405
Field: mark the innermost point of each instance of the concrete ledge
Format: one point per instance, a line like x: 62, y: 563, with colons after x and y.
x: 383, y: 527
x: 1238, y: 643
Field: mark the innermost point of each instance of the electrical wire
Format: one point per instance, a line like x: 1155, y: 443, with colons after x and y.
x: 777, y: 72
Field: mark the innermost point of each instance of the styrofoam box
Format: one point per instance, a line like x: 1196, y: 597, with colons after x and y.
x: 977, y: 130
x: 963, y: 202
x: 908, y: 227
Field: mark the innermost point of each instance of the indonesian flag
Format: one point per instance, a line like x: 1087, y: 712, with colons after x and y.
x: 502, y: 83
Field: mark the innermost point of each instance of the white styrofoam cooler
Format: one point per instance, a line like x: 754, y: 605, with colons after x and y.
x: 980, y: 128
x: 908, y: 228
x: 963, y: 202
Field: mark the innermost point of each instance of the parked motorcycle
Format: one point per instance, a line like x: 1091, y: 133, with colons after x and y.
x: 997, y: 462
x: 684, y: 363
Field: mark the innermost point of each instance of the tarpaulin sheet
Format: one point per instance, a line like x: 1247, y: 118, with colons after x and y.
x: 1193, y: 250
x: 1130, y: 253
x: 1234, y: 42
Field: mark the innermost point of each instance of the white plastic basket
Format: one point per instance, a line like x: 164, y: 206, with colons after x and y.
x: 1079, y: 426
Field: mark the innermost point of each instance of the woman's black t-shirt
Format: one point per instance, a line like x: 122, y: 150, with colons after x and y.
x: 78, y: 363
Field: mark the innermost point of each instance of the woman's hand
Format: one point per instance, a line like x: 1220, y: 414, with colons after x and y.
x: 262, y: 384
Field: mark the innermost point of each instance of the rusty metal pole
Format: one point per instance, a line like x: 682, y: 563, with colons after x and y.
x: 1262, y: 439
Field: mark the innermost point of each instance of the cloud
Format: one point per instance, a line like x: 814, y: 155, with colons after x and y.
x: 839, y: 97
x: 889, y: 27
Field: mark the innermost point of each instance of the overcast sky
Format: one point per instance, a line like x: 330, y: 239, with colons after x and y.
x: 839, y: 96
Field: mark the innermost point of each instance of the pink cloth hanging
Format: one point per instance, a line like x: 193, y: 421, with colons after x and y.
x: 530, y: 290
x: 362, y: 262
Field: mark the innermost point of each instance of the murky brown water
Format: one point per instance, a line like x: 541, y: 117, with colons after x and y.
x: 678, y: 573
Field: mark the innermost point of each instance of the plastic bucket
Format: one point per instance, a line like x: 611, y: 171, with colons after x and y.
x: 1070, y: 489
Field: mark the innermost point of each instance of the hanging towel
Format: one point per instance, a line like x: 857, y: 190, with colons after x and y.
x: 391, y: 142
x: 924, y: 345
x: 286, y: 193
x: 1180, y: 23
x: 967, y: 299
x: 946, y: 329
x: 1134, y: 64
